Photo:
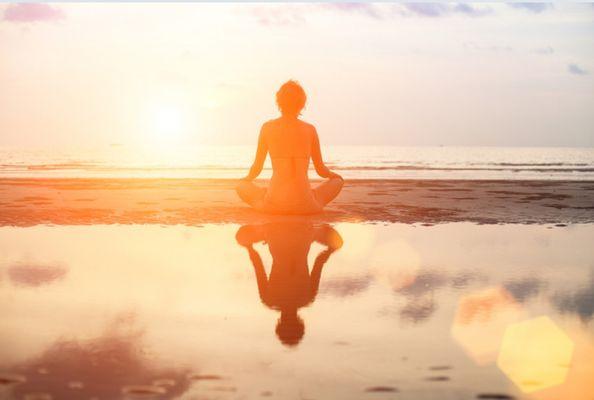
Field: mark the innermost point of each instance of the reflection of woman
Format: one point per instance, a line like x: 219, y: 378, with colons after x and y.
x: 290, y: 285
x: 291, y: 143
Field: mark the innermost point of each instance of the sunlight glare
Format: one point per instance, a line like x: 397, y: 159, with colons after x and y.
x: 168, y: 120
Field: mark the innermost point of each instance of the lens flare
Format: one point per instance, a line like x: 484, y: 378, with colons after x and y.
x: 535, y: 354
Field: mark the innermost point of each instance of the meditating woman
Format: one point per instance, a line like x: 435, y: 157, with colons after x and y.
x: 291, y: 143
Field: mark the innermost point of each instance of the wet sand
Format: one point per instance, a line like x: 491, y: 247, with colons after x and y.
x: 27, y: 202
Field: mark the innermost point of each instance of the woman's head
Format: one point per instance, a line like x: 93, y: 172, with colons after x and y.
x: 291, y: 98
x: 290, y: 328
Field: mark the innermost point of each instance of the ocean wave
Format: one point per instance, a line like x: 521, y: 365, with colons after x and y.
x: 461, y: 168
x: 99, y: 167
x: 514, y: 167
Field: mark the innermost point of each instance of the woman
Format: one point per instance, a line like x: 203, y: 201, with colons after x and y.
x: 290, y: 285
x: 291, y: 143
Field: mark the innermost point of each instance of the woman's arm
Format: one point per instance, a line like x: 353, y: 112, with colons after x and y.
x: 316, y: 157
x: 260, y: 156
x: 316, y: 272
x: 246, y: 236
x: 329, y: 237
x: 261, y: 277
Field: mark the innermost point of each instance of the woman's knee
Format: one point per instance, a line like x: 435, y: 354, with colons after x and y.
x: 241, y: 186
x: 249, y: 192
x: 338, y: 181
x: 328, y: 190
x: 243, y: 189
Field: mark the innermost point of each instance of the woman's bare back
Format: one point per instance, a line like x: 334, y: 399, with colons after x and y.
x: 291, y: 143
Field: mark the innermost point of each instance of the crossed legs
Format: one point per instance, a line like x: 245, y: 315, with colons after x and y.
x: 327, y: 191
x: 251, y: 193
x: 324, y: 193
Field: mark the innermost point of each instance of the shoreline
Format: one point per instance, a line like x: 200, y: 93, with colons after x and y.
x: 172, y: 201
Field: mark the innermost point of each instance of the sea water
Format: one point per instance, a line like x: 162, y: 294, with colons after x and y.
x: 353, y: 162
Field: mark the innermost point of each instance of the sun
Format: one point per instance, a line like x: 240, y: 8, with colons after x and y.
x: 168, y: 120
x: 167, y: 123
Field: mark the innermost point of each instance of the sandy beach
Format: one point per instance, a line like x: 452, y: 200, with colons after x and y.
x: 449, y: 145
x: 26, y: 202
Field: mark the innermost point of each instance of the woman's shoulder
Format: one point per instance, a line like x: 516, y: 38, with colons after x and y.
x: 268, y: 124
x: 308, y: 129
x: 272, y: 124
x: 307, y: 125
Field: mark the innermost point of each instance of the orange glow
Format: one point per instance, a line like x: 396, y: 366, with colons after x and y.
x: 481, y: 320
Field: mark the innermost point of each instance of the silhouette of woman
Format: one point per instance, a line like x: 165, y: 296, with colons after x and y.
x: 290, y: 286
x: 291, y: 143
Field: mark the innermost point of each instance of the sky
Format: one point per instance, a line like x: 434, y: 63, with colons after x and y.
x: 454, y: 74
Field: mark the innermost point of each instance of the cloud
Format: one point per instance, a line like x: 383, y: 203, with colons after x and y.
x: 295, y: 15
x: 580, y: 302
x: 278, y: 15
x: 464, y: 8
x: 418, y: 310
x: 291, y: 15
x: 544, y: 50
x: 427, y: 9
x: 104, y: 365
x: 32, y: 12
x: 576, y: 70
x: 473, y: 46
x: 525, y: 289
x: 536, y: 8
x: 35, y: 275
x: 348, y: 286
x: 366, y: 9
x: 425, y: 282
x: 444, y: 9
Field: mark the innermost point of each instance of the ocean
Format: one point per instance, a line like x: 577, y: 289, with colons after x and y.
x: 353, y: 162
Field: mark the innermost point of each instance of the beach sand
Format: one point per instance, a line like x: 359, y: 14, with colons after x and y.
x: 26, y: 202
